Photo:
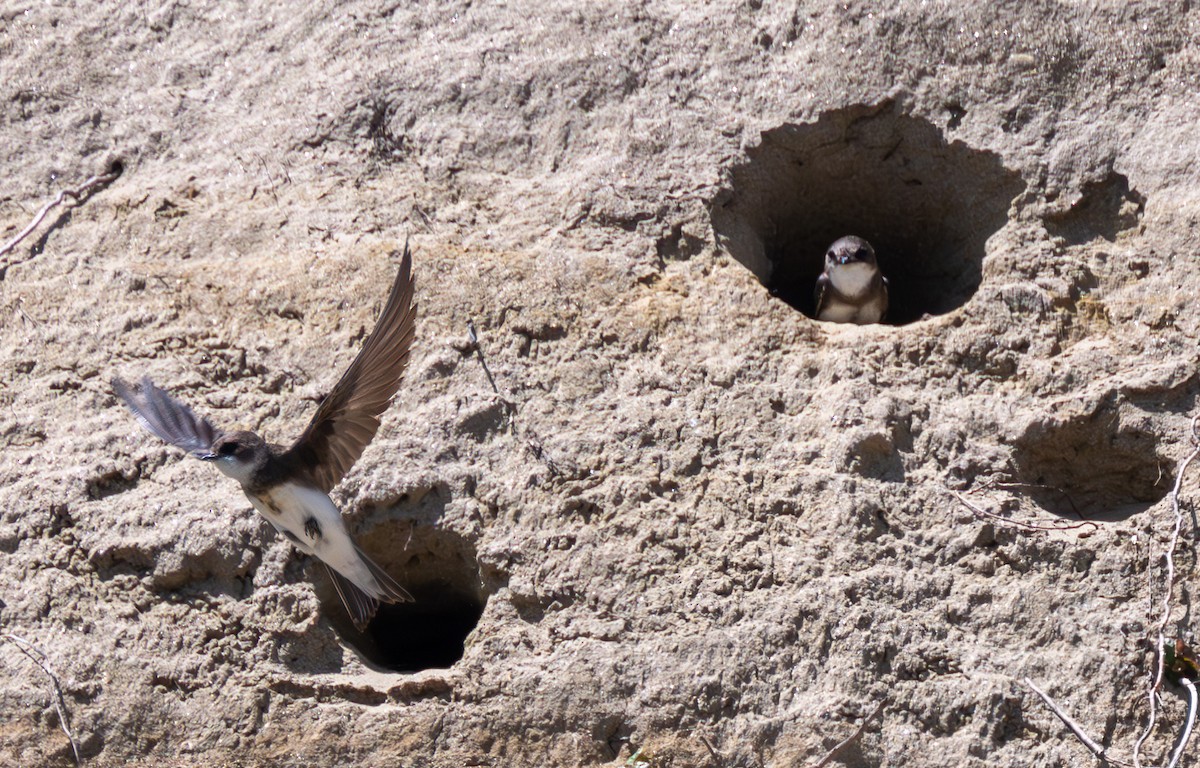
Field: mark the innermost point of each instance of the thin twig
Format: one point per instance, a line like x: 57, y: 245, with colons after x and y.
x: 25, y: 316
x: 60, y: 705
x: 716, y: 756
x: 862, y: 727
x: 531, y: 440
x: 1002, y: 485
x: 479, y: 354
x: 1092, y: 746
x: 1060, y: 525
x: 76, y: 194
x: 1168, y: 590
x: 1187, y: 728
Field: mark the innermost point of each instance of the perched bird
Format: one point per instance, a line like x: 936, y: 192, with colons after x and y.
x: 851, y: 289
x: 290, y: 486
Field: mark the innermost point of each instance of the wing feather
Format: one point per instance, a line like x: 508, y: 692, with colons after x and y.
x: 349, y: 417
x: 168, y: 418
x: 823, y: 285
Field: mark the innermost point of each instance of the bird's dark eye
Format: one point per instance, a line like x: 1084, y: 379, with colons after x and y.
x: 861, y: 253
x: 227, y: 449
x: 830, y: 254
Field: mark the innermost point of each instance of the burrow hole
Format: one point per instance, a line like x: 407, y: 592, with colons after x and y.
x: 441, y: 571
x: 1102, y: 466
x: 1104, y: 210
x: 926, y: 205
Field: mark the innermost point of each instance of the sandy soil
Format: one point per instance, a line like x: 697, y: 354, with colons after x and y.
x: 688, y: 523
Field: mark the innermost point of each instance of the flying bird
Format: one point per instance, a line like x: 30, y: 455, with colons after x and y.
x: 851, y: 289
x: 290, y: 486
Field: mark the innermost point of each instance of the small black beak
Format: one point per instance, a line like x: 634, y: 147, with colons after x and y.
x: 208, y: 457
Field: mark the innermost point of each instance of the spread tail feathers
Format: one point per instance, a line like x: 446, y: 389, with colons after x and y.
x: 359, y: 604
x: 392, y: 592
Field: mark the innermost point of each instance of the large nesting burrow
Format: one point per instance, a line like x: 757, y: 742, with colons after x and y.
x: 1099, y: 466
x: 441, y: 571
x: 927, y: 206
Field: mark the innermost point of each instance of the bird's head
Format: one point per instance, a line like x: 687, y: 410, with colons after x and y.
x: 849, y: 250
x: 238, y: 454
x: 850, y: 264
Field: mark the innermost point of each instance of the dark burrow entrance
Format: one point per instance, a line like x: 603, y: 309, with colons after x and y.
x: 440, y: 569
x: 1103, y: 466
x: 927, y: 206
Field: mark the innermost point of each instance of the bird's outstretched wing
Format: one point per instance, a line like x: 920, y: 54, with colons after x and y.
x: 168, y: 418
x: 348, y: 418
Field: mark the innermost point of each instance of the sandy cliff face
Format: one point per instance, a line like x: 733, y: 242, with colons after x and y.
x: 687, y: 513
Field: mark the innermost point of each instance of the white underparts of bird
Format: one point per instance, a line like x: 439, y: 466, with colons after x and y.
x: 290, y: 486
x: 851, y: 289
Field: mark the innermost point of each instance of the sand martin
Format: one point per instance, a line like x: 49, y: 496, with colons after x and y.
x: 290, y: 486
x: 851, y: 289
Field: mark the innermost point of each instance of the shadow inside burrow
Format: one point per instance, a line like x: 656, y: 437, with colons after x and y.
x: 1104, y: 466
x: 928, y: 207
x: 441, y: 572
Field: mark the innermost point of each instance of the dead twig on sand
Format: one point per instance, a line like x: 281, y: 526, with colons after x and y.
x: 76, y: 194
x: 474, y: 337
x: 1168, y: 590
x: 713, y: 753
x: 1074, y: 727
x: 1049, y: 525
x: 532, y: 442
x: 862, y: 727
x: 56, y: 697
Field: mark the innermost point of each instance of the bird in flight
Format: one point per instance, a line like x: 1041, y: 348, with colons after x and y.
x: 290, y: 486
